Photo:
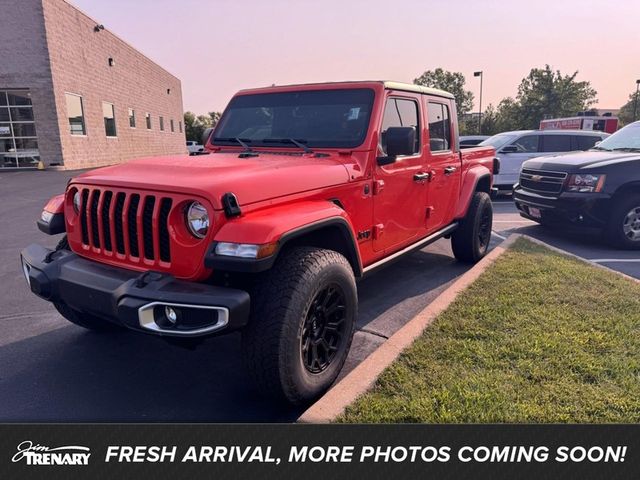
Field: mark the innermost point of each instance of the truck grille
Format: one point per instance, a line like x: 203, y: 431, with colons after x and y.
x: 129, y: 224
x: 542, y: 181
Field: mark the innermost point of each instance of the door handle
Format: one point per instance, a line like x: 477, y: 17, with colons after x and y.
x: 449, y: 170
x: 421, y: 177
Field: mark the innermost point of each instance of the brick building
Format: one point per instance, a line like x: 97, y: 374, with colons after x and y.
x: 74, y: 94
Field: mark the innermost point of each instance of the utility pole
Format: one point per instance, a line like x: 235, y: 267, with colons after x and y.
x: 479, y: 74
x: 635, y: 101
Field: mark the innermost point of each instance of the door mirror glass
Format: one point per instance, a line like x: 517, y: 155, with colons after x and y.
x: 400, y: 141
x: 509, y: 149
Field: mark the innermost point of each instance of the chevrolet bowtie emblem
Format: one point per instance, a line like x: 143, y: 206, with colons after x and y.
x: 536, y: 178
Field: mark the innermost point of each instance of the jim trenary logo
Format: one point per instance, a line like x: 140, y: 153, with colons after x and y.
x: 42, y: 455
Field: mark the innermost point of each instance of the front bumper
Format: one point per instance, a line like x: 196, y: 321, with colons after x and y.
x: 587, y: 210
x: 134, y: 300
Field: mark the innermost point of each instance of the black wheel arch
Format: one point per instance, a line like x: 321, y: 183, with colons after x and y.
x: 332, y: 233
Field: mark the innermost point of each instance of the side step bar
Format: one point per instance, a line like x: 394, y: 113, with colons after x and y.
x: 414, y: 246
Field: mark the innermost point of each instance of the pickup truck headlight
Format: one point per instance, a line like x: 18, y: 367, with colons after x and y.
x: 586, y: 183
x: 76, y: 201
x: 197, y: 219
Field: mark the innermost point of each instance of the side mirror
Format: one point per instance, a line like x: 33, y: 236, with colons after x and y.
x: 399, y: 141
x: 205, y: 136
x: 509, y: 149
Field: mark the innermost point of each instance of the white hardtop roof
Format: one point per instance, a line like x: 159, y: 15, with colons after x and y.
x: 389, y: 85
x: 410, y: 87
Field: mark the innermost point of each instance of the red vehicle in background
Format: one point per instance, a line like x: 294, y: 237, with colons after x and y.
x: 305, y: 189
x: 607, y: 124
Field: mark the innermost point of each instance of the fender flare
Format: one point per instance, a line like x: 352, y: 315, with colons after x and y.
x: 472, y: 178
x: 51, y: 220
x: 317, y: 216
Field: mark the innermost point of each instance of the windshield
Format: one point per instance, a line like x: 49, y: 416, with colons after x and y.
x: 499, y: 140
x: 315, y: 118
x: 627, y: 138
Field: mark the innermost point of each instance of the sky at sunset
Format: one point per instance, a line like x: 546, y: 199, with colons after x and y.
x: 218, y: 47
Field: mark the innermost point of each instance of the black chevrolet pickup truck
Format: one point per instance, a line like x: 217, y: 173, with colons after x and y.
x: 598, y: 189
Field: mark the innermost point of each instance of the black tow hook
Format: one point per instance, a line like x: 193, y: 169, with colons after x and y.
x: 146, y: 278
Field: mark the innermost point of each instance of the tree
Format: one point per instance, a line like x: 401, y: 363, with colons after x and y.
x: 626, y: 111
x: 490, y: 121
x: 545, y: 93
x: 452, y: 82
x: 194, y: 126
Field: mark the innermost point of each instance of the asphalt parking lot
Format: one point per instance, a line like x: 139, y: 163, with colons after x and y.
x: 54, y: 371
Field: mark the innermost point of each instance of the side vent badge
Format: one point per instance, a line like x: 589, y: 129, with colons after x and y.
x: 230, y: 205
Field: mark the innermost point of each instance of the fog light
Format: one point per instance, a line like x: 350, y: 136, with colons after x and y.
x: 171, y: 315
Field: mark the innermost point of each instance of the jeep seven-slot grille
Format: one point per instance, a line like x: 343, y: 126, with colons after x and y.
x: 131, y: 224
x: 542, y: 181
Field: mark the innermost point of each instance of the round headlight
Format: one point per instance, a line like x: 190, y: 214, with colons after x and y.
x: 197, y: 220
x: 76, y: 201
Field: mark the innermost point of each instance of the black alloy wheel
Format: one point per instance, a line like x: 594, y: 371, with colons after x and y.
x: 323, y: 329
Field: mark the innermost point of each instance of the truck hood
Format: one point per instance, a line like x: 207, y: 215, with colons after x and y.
x: 253, y: 179
x: 577, y: 161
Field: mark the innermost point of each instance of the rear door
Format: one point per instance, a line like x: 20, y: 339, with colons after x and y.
x: 443, y: 164
x: 556, y: 143
x: 400, y: 194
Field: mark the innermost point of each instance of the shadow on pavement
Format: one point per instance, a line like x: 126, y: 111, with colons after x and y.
x: 72, y: 375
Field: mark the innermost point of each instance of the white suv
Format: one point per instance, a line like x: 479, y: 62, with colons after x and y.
x: 194, y: 148
x: 514, y: 148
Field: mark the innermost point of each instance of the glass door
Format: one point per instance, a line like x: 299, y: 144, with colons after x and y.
x: 18, y: 140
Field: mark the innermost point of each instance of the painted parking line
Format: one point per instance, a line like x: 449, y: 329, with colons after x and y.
x: 615, y: 260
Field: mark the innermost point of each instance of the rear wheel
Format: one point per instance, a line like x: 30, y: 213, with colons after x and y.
x: 623, y: 230
x: 302, y: 323
x: 82, y: 319
x: 470, y: 242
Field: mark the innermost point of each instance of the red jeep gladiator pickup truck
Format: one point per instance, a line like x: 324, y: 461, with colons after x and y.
x: 305, y: 189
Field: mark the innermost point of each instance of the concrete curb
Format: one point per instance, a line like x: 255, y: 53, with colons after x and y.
x: 362, y: 378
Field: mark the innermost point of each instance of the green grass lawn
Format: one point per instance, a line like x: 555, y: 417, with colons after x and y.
x: 539, y: 337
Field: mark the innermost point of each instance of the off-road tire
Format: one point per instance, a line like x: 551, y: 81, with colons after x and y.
x: 82, y: 319
x: 470, y: 241
x: 281, y: 307
x: 614, y: 232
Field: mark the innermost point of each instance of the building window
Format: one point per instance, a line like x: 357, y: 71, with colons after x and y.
x: 75, y: 112
x: 132, y: 118
x: 162, y: 124
x: 171, y: 125
x: 109, y: 115
x: 180, y: 126
x: 147, y: 117
x: 18, y: 141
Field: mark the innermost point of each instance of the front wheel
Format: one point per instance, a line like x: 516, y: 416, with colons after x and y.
x: 470, y: 242
x: 303, y: 317
x: 623, y: 229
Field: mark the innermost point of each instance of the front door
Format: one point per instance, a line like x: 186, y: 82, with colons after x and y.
x: 400, y: 188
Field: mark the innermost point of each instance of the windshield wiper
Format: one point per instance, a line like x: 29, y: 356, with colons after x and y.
x: 247, y: 152
x: 600, y: 148
x: 297, y: 143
